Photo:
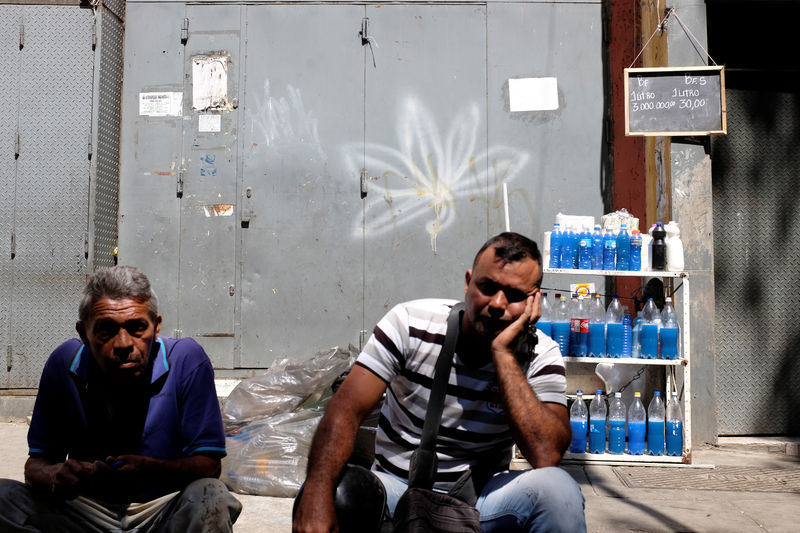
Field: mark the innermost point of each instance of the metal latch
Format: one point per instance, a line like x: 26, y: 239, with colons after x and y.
x: 13, y: 245
x: 363, y: 335
x: 179, y: 185
x: 176, y: 333
x: 17, y: 144
x: 185, y: 31
x: 9, y: 358
x: 94, y: 34
x: 21, y: 35
x: 367, y: 39
x: 364, y: 177
x: 90, y: 147
x: 86, y: 245
x: 232, y: 290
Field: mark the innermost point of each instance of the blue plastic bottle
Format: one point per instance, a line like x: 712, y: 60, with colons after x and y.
x: 674, y: 428
x: 636, y: 250
x: 616, y: 425
x: 597, y: 423
x: 648, y: 335
x: 597, y: 328
x: 655, y: 425
x: 576, y: 238
x: 637, y: 421
x: 561, y: 326
x: 578, y: 421
x: 669, y: 332
x: 614, y: 328
x: 567, y: 252
x: 555, y: 246
x: 545, y: 322
x: 609, y: 251
x: 623, y: 248
x: 627, y: 334
x: 597, y: 248
x: 585, y: 250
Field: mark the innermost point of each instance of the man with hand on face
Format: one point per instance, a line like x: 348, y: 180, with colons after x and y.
x: 505, y: 387
x: 126, y: 433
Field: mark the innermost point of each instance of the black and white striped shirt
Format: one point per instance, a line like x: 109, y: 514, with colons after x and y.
x: 402, y: 352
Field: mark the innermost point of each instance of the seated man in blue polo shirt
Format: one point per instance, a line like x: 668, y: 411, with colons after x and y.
x: 126, y: 433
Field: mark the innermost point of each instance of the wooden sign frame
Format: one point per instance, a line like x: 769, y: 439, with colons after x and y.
x: 695, y: 72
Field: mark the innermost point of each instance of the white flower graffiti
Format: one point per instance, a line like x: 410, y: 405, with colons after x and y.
x: 427, y: 172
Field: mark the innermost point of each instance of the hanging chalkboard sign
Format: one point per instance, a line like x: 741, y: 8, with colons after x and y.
x: 675, y: 101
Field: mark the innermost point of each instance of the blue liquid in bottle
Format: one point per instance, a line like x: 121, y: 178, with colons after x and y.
x: 669, y: 343
x: 545, y: 327
x: 597, y: 340
x: 636, y: 432
x: 648, y: 338
x: 675, y: 438
x: 655, y: 437
x: 561, y: 336
x: 614, y: 339
x: 616, y: 436
x: 578, y: 444
x: 597, y: 436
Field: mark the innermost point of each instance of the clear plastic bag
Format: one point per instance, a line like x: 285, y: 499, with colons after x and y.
x: 271, y: 419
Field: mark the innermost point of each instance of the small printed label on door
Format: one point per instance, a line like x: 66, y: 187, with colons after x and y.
x: 209, y: 123
x: 160, y: 104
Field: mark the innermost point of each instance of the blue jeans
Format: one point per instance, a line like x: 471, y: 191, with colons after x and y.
x: 542, y: 499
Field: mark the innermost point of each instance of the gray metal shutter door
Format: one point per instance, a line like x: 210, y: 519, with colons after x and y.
x: 757, y: 264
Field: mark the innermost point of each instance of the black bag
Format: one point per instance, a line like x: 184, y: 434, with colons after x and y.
x: 420, y: 509
x: 424, y: 511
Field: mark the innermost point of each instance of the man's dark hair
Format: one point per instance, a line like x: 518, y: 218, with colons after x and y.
x: 116, y: 283
x: 511, y: 247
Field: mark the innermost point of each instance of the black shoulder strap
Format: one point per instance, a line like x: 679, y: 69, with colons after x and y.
x: 423, y: 461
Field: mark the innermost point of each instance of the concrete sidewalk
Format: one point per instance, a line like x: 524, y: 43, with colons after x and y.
x: 744, y: 485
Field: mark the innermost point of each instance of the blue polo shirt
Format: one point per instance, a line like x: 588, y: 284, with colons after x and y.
x: 182, y: 411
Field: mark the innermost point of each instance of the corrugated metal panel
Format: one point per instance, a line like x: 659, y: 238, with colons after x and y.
x: 757, y: 270
x: 52, y: 182
x: 10, y: 20
x: 106, y: 193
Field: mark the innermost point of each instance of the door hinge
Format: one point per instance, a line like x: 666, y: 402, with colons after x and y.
x: 176, y: 333
x: 86, y: 245
x: 21, y: 35
x: 13, y: 245
x: 363, y: 336
x: 94, y: 34
x: 9, y: 358
x: 17, y: 144
x: 89, y: 146
x: 185, y: 31
x: 179, y: 185
x: 364, y: 177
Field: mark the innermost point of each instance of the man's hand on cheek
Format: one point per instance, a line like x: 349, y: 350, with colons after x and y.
x: 506, y: 341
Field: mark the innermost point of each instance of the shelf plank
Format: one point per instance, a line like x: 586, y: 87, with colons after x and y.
x: 621, y: 273
x: 627, y: 361
x: 610, y: 458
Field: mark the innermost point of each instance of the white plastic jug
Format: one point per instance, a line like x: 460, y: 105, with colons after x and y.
x: 675, y: 261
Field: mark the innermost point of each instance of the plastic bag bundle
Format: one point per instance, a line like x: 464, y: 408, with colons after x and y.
x: 287, y: 385
x: 271, y: 419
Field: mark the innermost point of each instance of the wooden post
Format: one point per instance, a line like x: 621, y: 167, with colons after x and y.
x: 658, y: 181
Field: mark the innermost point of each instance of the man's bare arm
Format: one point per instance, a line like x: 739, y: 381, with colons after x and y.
x: 331, y: 447
x: 541, y: 430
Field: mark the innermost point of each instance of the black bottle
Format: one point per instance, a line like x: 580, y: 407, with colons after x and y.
x: 659, y: 247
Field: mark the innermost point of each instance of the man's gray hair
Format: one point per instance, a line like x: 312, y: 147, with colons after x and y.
x: 117, y: 282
